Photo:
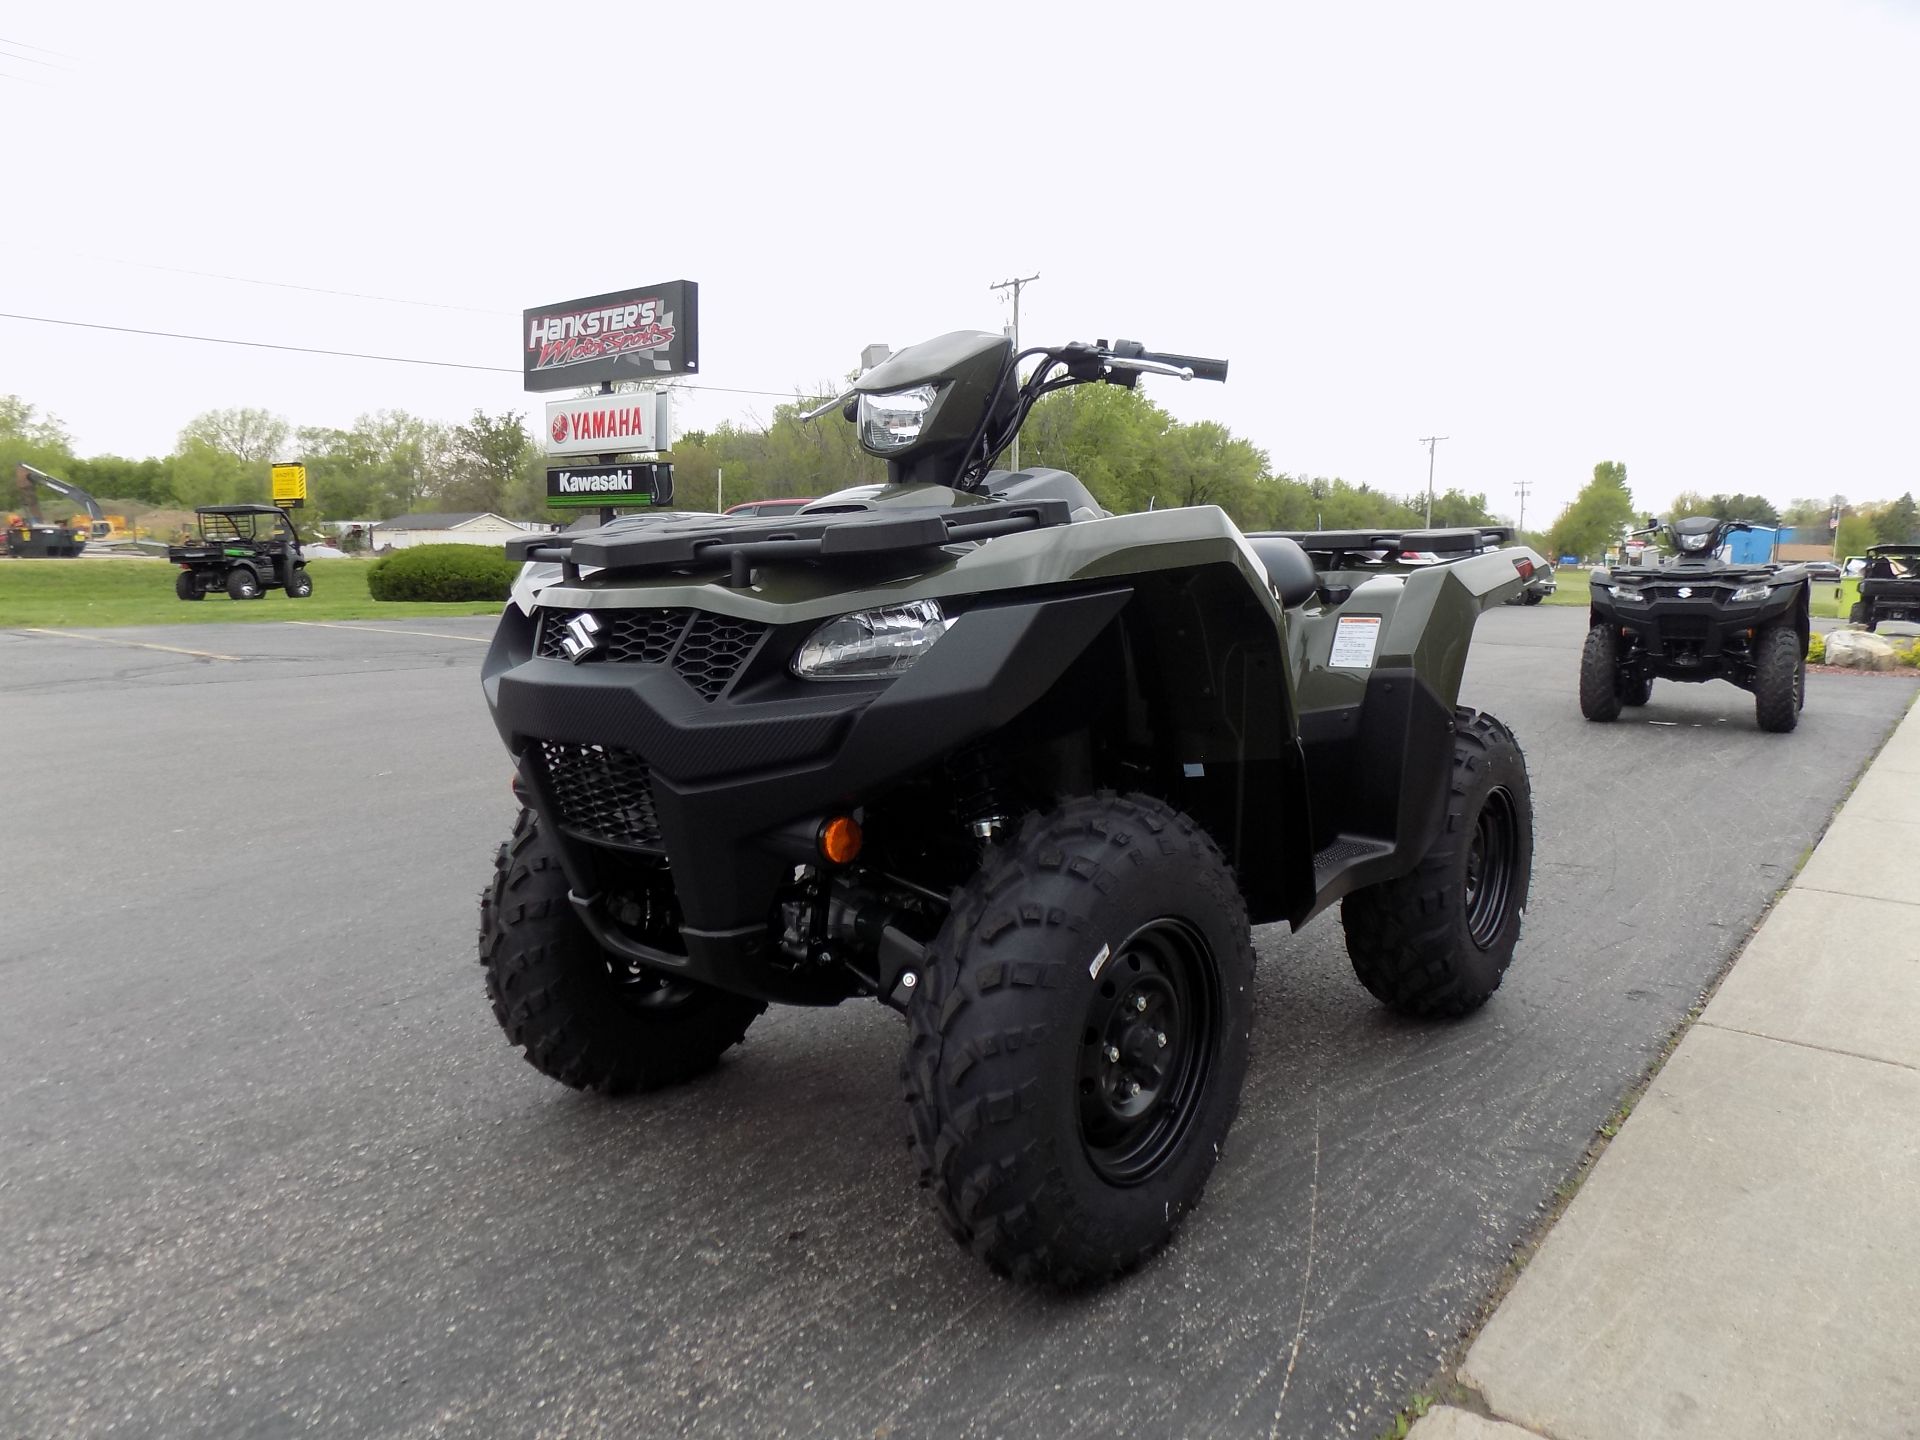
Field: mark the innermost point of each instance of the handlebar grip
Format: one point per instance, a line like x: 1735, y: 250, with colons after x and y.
x: 1203, y: 369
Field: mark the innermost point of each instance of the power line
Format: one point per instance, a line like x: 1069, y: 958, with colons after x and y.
x: 290, y: 285
x: 348, y: 354
x: 1523, y: 489
x: 41, y: 48
x: 28, y: 59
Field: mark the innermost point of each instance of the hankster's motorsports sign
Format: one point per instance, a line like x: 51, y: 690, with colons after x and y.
x: 649, y: 333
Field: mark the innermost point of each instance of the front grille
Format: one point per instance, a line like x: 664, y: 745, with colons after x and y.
x: 602, y: 793
x: 708, y: 650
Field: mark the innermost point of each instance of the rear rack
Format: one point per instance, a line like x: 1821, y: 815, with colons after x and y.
x: 843, y: 537
x: 1380, y: 545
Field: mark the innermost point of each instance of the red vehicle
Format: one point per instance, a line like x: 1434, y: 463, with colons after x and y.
x: 770, y: 507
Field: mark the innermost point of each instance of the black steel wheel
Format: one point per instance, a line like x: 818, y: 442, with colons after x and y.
x: 301, y: 584
x: 1438, y: 940
x: 1147, y: 1050
x: 582, y: 1016
x: 187, y: 586
x: 242, y: 584
x: 1636, y: 688
x: 1079, y: 1039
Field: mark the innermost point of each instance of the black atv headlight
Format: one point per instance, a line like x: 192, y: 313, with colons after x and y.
x: 871, y: 644
x: 1628, y: 593
x: 1751, y: 592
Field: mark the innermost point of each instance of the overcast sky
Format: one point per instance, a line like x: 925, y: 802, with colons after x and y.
x: 1678, y: 235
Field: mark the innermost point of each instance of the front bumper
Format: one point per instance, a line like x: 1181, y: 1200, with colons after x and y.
x: 650, y: 760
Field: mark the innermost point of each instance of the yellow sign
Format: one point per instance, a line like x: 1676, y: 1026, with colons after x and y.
x: 289, y: 485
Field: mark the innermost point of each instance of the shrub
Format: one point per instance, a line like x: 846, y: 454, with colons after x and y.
x: 1816, y: 649
x: 442, y: 572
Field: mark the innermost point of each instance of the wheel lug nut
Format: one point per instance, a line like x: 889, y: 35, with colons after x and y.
x: 1133, y: 1088
x: 1160, y: 1039
x: 1113, y: 1054
x: 1140, y: 1002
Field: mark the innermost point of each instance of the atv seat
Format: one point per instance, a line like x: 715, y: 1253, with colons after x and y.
x: 1292, y: 573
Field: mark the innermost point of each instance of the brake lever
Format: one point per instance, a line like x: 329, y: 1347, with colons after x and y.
x: 829, y: 407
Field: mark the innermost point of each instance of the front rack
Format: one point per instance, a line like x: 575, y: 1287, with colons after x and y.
x: 698, y: 542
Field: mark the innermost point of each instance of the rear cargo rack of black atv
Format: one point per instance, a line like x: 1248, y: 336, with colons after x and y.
x: 843, y: 537
x: 1375, y: 546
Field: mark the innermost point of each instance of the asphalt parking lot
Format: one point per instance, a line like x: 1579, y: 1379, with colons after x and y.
x: 272, y: 1170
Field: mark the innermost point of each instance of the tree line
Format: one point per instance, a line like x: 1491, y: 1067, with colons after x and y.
x: 1128, y: 451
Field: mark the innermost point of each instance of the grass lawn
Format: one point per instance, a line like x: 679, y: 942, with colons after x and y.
x: 1572, y: 590
x: 70, y: 593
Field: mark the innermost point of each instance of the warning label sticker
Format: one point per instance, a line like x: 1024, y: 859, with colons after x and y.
x: 1354, y: 640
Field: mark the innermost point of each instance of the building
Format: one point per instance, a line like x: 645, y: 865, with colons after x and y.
x: 460, y: 527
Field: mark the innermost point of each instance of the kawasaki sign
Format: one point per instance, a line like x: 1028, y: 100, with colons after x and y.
x: 595, y: 485
x: 649, y: 333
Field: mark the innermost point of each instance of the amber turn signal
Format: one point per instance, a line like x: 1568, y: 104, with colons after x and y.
x: 839, y: 840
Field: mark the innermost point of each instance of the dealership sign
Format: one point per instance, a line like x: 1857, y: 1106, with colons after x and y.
x: 625, y: 335
x: 637, y: 484
x: 634, y: 424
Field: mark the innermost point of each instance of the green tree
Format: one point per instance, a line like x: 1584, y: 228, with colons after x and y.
x: 488, y: 457
x: 28, y: 437
x: 1898, y: 523
x: 1856, y: 533
x: 1598, y: 516
x: 147, y: 482
x: 1755, y: 508
x: 248, y: 435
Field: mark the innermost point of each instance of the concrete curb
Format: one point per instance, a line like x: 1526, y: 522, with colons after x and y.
x: 1740, y: 1261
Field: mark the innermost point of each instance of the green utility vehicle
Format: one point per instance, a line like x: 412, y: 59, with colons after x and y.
x: 1025, y: 771
x: 245, y: 550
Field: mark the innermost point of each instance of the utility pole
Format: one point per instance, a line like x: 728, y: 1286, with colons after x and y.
x: 1523, y: 489
x: 1430, y: 441
x: 1016, y: 285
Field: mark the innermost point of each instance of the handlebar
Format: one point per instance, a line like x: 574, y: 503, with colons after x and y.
x: 1202, y: 368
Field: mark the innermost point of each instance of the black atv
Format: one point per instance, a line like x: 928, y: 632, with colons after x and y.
x: 245, y: 550
x: 1889, y: 586
x: 1697, y: 617
x: 1023, y: 770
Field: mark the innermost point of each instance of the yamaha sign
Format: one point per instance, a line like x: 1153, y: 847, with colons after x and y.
x: 609, y: 424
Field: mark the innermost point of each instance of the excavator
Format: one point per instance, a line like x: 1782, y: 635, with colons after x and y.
x: 32, y: 535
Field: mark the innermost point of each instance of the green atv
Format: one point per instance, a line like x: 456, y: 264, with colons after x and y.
x: 1025, y: 771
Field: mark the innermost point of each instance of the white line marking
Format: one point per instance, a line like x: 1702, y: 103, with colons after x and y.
x: 389, y: 630
x: 136, y: 644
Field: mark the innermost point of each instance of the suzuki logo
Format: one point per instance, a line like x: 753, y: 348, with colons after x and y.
x: 1685, y: 592
x: 582, y: 638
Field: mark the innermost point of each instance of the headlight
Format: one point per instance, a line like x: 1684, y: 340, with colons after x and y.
x: 1694, y: 542
x: 1624, y: 592
x: 892, y: 421
x: 1751, y: 592
x: 871, y: 644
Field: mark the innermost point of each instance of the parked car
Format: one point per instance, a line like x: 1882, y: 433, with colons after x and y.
x: 1822, y: 572
x: 785, y: 506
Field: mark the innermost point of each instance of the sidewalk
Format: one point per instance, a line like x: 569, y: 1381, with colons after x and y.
x: 1745, y: 1257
